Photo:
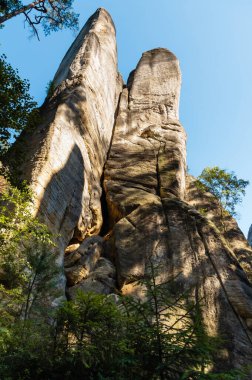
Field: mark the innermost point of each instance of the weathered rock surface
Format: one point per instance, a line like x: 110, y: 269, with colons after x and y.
x: 250, y: 235
x: 152, y: 208
x: 226, y: 226
x: 155, y: 212
x: 102, y: 279
x: 64, y: 156
x: 148, y: 135
x: 146, y: 162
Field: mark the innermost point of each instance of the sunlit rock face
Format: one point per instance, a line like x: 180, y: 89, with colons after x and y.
x: 208, y: 206
x: 146, y: 162
x: 66, y: 153
x: 150, y: 209
x: 155, y: 210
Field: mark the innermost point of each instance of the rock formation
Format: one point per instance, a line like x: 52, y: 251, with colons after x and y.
x: 150, y: 207
x: 250, y: 235
x: 146, y: 163
x: 64, y: 156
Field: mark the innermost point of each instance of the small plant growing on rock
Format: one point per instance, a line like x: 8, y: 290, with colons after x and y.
x: 50, y: 88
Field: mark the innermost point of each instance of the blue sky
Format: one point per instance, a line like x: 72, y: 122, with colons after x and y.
x: 211, y: 38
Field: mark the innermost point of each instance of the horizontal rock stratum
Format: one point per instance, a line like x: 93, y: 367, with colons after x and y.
x: 107, y: 165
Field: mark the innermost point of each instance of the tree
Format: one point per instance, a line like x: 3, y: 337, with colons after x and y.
x: 87, y: 340
x: 93, y: 337
x: 92, y: 332
x: 225, y: 186
x: 52, y: 15
x: 27, y: 284
x: 27, y: 262
x: 167, y: 334
x: 17, y: 107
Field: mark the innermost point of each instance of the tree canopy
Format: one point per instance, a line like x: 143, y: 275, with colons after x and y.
x: 27, y: 261
x: 16, y: 104
x: 52, y: 15
x: 225, y: 186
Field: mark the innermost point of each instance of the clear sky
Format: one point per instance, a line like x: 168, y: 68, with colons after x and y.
x: 211, y: 38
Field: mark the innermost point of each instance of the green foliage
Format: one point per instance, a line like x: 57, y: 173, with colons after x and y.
x: 26, y: 351
x: 167, y: 334
x: 7, y: 6
x: 87, y: 340
x: 50, y: 88
x: 27, y: 264
x: 52, y: 15
x: 27, y: 286
x: 17, y: 107
x: 224, y: 185
x: 92, y: 337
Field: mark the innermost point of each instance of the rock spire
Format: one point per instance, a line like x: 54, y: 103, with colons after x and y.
x: 96, y: 133
x: 64, y: 156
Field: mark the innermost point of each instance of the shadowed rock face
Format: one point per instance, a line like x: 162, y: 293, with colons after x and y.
x: 151, y: 208
x: 65, y: 155
x: 250, y: 235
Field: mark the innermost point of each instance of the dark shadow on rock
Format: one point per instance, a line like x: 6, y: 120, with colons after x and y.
x: 185, y: 242
x: 61, y: 205
x: 206, y: 265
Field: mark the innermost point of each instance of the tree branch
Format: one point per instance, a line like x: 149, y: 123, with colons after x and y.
x: 20, y: 10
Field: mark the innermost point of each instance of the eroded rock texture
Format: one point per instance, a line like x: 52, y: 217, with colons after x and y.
x: 65, y: 155
x: 151, y: 208
x: 156, y: 212
x: 146, y: 161
x: 227, y: 226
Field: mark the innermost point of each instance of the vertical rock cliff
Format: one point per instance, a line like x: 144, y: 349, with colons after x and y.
x: 146, y: 163
x: 150, y: 207
x: 153, y: 210
x: 64, y: 156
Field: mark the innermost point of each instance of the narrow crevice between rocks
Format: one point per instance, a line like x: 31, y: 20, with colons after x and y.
x: 104, y: 205
x: 157, y: 173
x: 106, y: 227
x: 105, y: 211
x: 113, y: 129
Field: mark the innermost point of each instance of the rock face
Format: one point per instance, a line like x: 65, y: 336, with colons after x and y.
x: 65, y: 154
x: 151, y: 207
x: 155, y: 210
x: 146, y: 161
x: 207, y: 205
x: 250, y: 235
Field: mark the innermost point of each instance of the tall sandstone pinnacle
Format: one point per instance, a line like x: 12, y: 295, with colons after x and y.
x: 65, y: 155
x: 150, y: 207
x: 153, y: 210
